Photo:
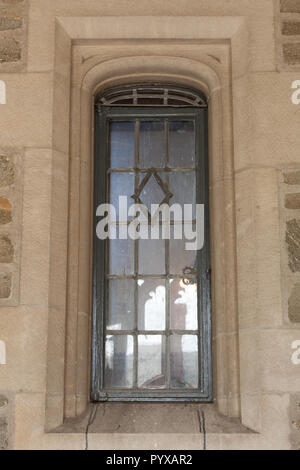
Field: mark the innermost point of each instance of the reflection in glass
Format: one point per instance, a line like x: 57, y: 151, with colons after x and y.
x: 183, y: 305
x: 151, y: 304
x: 118, y: 361
x: 122, y: 144
x: 184, y: 361
x: 151, y: 361
x: 152, y: 256
x: 181, y: 144
x: 120, y: 314
x: 152, y: 144
x: 121, y: 256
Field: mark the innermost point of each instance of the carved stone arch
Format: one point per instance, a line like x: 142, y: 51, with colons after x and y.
x: 187, y: 73
x: 70, y: 361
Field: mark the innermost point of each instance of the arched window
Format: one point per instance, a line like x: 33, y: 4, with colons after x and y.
x: 151, y: 288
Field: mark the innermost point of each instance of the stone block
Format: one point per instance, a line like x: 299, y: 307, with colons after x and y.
x: 293, y: 244
x: 3, y: 433
x: 10, y: 50
x: 6, y: 249
x: 292, y: 201
x: 295, y: 421
x: 291, y: 53
x: 294, y: 304
x: 290, y: 28
x: 9, y: 21
x: 7, y: 171
x: 5, y: 211
x: 292, y: 177
x: 5, y: 285
x: 290, y: 6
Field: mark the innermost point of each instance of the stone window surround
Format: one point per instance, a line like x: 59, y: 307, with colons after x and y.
x: 70, y: 238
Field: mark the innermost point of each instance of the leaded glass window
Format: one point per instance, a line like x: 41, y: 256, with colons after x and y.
x: 151, y: 296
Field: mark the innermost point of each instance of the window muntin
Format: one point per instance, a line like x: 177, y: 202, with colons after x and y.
x: 146, y: 95
x: 151, y: 297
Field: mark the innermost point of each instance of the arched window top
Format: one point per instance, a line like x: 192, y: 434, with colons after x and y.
x: 152, y: 95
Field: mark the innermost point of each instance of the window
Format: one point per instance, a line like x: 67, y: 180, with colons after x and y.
x: 151, y: 296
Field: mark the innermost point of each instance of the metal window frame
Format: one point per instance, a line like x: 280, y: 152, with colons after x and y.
x: 103, y: 115
x: 133, y: 94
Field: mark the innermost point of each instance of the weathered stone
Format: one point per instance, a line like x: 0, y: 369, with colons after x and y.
x: 3, y: 401
x: 293, y: 243
x: 291, y: 53
x: 294, y: 304
x: 294, y: 413
x: 290, y: 6
x: 5, y: 211
x: 5, y: 285
x: 7, y: 173
x: 292, y: 177
x: 290, y: 28
x: 292, y: 201
x: 6, y: 249
x: 10, y: 50
x: 3, y: 434
x: 12, y: 2
x: 10, y: 21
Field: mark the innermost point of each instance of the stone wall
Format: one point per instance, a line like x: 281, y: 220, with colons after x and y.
x: 13, y: 29
x: 290, y: 33
x: 48, y: 48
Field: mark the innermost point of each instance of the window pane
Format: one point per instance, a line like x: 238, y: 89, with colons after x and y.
x: 119, y: 361
x: 181, y: 144
x: 182, y: 185
x: 122, y: 144
x: 121, y: 184
x: 151, y: 304
x: 151, y: 361
x: 184, y: 361
x: 152, y: 256
x: 183, y: 304
x: 152, y: 152
x: 120, y: 314
x: 180, y: 258
x: 152, y: 192
x: 121, y: 256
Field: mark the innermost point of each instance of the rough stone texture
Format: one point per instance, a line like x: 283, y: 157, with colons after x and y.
x: 5, y: 285
x: 295, y: 421
x: 10, y: 50
x: 5, y: 211
x: 7, y: 172
x: 294, y: 304
x: 292, y: 178
x: 290, y: 6
x: 6, y: 249
x: 293, y: 243
x: 291, y: 53
x: 3, y: 402
x: 290, y: 28
x: 3, y: 434
x: 292, y: 201
x: 9, y: 21
x: 260, y: 223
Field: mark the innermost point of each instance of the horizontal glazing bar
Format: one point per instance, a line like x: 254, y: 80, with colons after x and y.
x: 150, y: 276
x: 152, y: 332
x: 145, y: 170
